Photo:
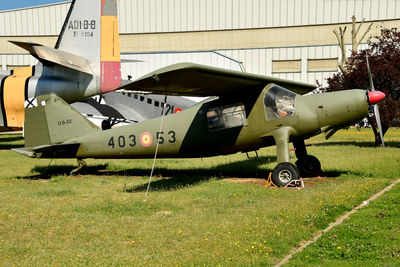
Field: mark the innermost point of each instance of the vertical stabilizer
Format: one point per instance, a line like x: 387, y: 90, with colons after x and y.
x: 54, y: 121
x: 91, y: 31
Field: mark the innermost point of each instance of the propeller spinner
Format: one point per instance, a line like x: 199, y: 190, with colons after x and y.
x: 375, y: 97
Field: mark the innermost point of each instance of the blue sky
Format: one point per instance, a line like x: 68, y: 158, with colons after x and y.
x: 13, y: 4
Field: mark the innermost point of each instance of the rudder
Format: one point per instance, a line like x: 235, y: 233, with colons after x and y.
x: 91, y: 30
x: 54, y: 121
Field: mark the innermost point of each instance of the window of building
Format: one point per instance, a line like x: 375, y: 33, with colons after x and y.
x: 319, y: 65
x: 285, y: 66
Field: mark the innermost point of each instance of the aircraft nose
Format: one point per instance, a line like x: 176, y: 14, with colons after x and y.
x: 375, y: 97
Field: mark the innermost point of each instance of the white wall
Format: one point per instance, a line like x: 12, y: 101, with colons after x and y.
x: 144, y: 16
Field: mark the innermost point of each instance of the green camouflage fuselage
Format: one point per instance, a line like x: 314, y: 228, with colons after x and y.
x: 188, y: 133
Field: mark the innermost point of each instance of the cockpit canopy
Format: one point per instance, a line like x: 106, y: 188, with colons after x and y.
x: 279, y: 102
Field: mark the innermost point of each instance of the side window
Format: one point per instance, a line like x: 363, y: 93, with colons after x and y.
x: 225, y: 117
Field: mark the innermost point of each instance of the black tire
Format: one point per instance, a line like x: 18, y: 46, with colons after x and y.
x: 308, y: 166
x: 284, y: 173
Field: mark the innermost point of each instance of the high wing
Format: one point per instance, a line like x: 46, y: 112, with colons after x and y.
x: 198, y: 80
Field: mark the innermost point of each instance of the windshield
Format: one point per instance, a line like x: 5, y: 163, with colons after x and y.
x: 278, y: 103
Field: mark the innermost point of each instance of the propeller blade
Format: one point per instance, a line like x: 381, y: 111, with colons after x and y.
x: 371, y: 82
x: 374, y: 98
x: 378, y: 121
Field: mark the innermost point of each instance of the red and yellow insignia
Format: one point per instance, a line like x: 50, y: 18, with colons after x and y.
x: 146, y: 139
x: 178, y: 110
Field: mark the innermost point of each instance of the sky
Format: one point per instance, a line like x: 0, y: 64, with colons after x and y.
x: 13, y: 4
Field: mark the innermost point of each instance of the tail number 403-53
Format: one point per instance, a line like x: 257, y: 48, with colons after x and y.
x: 122, y: 141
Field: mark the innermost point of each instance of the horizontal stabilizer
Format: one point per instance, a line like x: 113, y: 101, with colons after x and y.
x: 48, y: 56
x: 50, y: 151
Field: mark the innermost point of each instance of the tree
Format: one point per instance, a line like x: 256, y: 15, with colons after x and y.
x: 384, y: 58
x: 354, y: 39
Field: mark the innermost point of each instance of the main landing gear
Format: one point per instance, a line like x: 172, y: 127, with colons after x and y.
x: 286, y: 172
x: 308, y: 165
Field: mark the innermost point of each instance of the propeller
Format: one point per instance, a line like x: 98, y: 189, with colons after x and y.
x: 374, y: 97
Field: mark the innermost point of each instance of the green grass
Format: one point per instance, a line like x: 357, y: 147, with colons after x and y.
x: 192, y: 216
x: 371, y: 237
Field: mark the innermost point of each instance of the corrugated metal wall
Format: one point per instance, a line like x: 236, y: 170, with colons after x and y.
x: 144, y: 16
x: 258, y: 61
x: 152, y: 61
x: 140, y: 16
x: 44, y: 20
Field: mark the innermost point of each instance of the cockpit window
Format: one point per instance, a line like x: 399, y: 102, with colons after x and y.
x: 225, y: 117
x: 278, y: 103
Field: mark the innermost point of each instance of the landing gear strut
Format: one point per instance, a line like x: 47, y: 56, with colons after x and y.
x: 284, y: 172
x: 81, y: 165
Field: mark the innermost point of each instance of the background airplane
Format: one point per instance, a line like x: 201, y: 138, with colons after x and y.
x: 122, y: 108
x: 248, y: 112
x: 84, y: 62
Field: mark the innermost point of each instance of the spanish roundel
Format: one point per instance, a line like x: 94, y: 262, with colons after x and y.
x: 177, y: 110
x: 146, y: 139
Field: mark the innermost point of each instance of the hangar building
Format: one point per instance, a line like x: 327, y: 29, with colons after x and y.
x: 290, y: 39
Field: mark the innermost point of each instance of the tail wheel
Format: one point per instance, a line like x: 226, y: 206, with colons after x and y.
x: 284, y: 173
x: 308, y: 166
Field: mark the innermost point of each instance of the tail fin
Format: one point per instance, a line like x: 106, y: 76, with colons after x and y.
x: 91, y: 30
x: 54, y: 121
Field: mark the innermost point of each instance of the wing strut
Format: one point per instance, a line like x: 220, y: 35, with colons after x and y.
x: 158, y: 143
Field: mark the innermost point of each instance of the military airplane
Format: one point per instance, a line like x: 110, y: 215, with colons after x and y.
x: 246, y: 113
x: 84, y: 62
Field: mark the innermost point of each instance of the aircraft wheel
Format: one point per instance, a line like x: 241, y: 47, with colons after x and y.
x: 309, y: 166
x: 284, y: 173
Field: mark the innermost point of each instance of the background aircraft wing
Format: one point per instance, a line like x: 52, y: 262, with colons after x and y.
x: 48, y: 56
x: 198, y: 80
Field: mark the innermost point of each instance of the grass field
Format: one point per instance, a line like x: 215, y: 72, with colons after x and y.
x: 194, y: 217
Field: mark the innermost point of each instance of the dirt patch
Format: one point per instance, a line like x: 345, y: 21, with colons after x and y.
x: 308, y: 182
x: 256, y: 181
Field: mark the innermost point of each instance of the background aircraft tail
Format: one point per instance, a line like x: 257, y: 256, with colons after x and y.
x: 91, y: 31
x: 54, y: 121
